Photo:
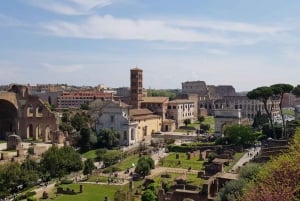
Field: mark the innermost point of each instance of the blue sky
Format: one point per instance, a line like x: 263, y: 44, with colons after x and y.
x: 244, y: 43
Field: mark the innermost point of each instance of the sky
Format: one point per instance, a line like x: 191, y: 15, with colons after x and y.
x: 244, y: 43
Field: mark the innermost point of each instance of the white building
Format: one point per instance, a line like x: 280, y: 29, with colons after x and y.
x: 115, y: 115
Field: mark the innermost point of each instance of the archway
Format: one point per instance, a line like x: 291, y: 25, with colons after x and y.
x: 30, y: 131
x: 8, y: 118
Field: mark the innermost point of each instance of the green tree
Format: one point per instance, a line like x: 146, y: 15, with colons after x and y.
x: 240, y: 134
x: 205, y: 127
x: 111, y: 157
x: 58, y: 162
x: 66, y: 127
x: 10, y: 178
x: 296, y: 91
x: 88, y: 166
x: 148, y: 195
x: 144, y: 166
x: 108, y: 138
x: 79, y: 121
x: 29, y: 172
x: 84, y: 106
x: 279, y: 90
x: 264, y: 94
x: 163, y: 93
x: 201, y: 119
x: 87, y: 139
x: 260, y: 120
x: 100, y: 153
x: 232, y: 191
x: 186, y: 122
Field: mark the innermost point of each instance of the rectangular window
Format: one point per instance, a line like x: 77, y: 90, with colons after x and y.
x: 125, y: 135
x: 112, y: 119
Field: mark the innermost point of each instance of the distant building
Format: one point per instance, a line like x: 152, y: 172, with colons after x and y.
x: 212, y: 98
x: 134, y: 125
x: 75, y: 99
x: 25, y: 115
x: 181, y: 109
x: 136, y: 87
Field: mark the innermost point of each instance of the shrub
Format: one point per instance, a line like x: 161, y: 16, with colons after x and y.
x: 111, y: 169
x: 66, y: 181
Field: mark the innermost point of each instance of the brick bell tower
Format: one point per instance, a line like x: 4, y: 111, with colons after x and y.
x: 136, y: 87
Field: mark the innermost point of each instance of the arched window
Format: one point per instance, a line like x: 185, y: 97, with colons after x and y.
x: 30, y: 111
x: 39, y: 111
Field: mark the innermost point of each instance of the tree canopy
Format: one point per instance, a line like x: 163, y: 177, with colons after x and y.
x: 240, y: 134
x: 108, y: 138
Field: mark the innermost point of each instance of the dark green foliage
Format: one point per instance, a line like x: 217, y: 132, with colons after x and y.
x: 144, y: 166
x: 65, y: 117
x: 88, y: 166
x: 201, y: 119
x: 239, y: 134
x: 85, y: 106
x: 100, y: 153
x: 182, y: 149
x: 205, y: 127
x: 163, y: 93
x: 111, y: 157
x: 10, y: 174
x: 148, y: 195
x: 87, y: 139
x: 211, y: 156
x: 232, y: 191
x: 263, y: 94
x: 279, y: 90
x: 79, y: 121
x: 29, y: 172
x: 111, y: 169
x: 66, y: 181
x: 186, y: 122
x: 260, y: 120
x: 249, y: 171
x: 58, y: 162
x: 296, y: 91
x: 66, y: 127
x: 108, y: 138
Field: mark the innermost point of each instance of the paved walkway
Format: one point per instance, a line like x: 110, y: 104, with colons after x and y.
x: 250, y: 154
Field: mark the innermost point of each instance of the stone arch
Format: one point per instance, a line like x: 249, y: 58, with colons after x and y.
x: 46, y: 134
x: 38, y: 132
x: 8, y: 118
x: 30, y: 133
x: 29, y: 110
x: 39, y: 111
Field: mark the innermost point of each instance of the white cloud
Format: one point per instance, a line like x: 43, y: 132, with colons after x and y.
x: 231, y: 26
x: 109, y: 27
x: 62, y: 68
x: 70, y: 7
x: 216, y: 52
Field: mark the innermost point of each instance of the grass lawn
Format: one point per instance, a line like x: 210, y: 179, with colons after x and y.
x: 191, y: 179
x: 288, y: 112
x: 171, y: 161
x: 127, y: 162
x: 90, y: 154
x: 91, y: 192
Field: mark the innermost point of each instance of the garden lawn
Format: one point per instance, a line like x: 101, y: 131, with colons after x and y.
x: 171, y: 161
x: 191, y: 179
x: 91, y: 192
x: 90, y: 154
x: 127, y: 162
